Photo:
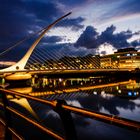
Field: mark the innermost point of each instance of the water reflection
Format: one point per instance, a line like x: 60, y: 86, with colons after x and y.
x: 107, y: 95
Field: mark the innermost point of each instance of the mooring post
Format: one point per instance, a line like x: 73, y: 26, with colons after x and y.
x: 8, y: 135
x: 67, y: 121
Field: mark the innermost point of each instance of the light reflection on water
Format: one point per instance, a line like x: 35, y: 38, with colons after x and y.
x: 107, y: 95
x: 112, y: 96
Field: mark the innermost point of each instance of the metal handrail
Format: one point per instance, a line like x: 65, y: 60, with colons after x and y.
x: 11, y: 130
x: 49, y: 103
x: 50, y: 132
x: 1, y: 104
x: 119, y: 121
x: 46, y: 130
x: 60, y: 107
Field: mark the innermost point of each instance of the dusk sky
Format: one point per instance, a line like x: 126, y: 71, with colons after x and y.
x: 95, y: 26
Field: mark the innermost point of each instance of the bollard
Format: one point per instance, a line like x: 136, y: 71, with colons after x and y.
x: 8, y: 135
x: 67, y: 121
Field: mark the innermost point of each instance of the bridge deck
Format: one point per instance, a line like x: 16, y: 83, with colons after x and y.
x: 67, y: 71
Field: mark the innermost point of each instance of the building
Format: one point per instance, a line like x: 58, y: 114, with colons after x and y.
x: 123, y: 58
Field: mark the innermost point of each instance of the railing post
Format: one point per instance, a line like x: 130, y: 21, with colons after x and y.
x: 67, y: 121
x: 8, y: 135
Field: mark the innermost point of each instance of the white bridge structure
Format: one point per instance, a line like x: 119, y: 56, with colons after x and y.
x: 63, y: 64
x: 19, y: 67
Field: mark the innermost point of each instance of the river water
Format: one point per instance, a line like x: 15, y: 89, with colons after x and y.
x: 101, y: 94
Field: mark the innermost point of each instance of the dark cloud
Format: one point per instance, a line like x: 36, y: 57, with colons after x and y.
x: 13, y: 20
x: 72, y: 2
x: 135, y: 43
x: 118, y: 40
x: 74, y: 23
x: 87, y: 43
x: 90, y: 38
x: 62, y: 49
x: 21, y: 17
x: 52, y: 39
x: 18, y: 18
x: 44, y: 11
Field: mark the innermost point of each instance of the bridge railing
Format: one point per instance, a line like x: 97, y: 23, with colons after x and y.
x: 64, y: 112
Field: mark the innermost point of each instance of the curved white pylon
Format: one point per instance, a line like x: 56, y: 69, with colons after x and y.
x: 20, y: 65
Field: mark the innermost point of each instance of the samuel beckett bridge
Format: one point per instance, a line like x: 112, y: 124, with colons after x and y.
x: 52, y: 61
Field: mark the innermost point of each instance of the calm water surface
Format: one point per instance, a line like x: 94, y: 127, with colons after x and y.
x: 108, y: 95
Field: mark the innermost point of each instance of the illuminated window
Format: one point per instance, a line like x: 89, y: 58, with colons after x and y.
x: 134, y: 54
x: 135, y: 93
x: 129, y: 93
x: 128, y: 54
